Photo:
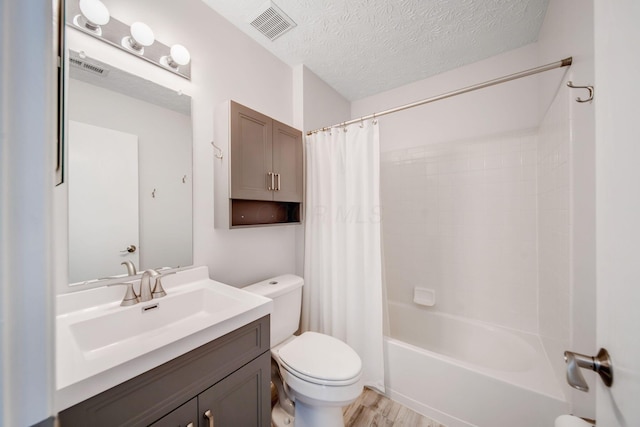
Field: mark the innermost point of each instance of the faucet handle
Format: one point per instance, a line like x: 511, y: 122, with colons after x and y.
x: 130, y: 297
x: 158, y: 290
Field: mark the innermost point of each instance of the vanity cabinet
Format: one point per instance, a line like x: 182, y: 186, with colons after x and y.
x: 227, y: 379
x: 184, y: 416
x: 260, y: 182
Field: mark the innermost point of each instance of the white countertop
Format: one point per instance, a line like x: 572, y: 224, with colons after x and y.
x: 93, y: 355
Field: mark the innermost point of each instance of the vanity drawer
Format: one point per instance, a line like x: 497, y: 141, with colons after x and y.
x: 148, y: 397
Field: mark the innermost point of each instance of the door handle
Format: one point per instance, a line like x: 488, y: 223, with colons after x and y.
x: 131, y: 249
x: 272, y: 187
x: 208, y: 415
x: 600, y: 363
x: 278, y: 184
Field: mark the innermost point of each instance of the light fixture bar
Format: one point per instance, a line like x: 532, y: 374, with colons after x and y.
x: 113, y: 33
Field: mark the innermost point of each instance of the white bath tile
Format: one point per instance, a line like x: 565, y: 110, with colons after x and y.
x: 512, y: 159
x: 432, y: 168
x: 530, y: 142
x: 493, y: 161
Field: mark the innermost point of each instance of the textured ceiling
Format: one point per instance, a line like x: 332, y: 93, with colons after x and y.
x: 363, y: 47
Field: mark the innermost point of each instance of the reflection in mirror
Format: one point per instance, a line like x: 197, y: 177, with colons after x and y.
x: 129, y: 145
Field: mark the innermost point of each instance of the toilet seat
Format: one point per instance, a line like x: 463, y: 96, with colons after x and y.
x: 320, y: 359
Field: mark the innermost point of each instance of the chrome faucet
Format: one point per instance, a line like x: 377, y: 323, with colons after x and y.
x: 147, y: 292
x: 145, y: 285
x: 131, y: 268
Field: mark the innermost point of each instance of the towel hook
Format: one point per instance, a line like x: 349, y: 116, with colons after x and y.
x: 219, y: 154
x: 589, y: 88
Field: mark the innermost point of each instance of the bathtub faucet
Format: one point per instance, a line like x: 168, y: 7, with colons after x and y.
x: 601, y: 364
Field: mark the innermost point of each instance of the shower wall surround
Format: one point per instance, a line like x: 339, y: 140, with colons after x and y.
x: 460, y: 218
x: 554, y: 230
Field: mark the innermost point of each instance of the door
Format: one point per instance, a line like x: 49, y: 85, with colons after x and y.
x: 617, y: 35
x: 287, y: 163
x: 251, y: 154
x: 184, y: 416
x: 242, y: 399
x: 103, y: 201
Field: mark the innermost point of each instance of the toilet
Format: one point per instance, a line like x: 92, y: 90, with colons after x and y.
x: 320, y: 373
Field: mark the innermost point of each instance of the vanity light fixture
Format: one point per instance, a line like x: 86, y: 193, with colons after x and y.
x: 141, y: 36
x: 92, y: 17
x: 93, y: 14
x: 178, y: 55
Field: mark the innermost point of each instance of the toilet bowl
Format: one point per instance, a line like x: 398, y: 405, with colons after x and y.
x: 321, y: 374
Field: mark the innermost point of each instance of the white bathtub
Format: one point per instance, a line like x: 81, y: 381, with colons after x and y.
x: 466, y: 373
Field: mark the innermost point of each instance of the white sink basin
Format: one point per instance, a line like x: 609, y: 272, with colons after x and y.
x: 182, y: 311
x: 96, y: 337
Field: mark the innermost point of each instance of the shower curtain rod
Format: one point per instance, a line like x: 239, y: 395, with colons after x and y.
x: 563, y: 63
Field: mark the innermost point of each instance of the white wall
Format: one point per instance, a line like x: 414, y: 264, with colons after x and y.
x: 226, y: 64
x: 460, y: 218
x: 568, y: 30
x: 498, y: 109
x: 459, y: 191
x: 322, y: 105
x: 554, y: 236
x: 27, y: 146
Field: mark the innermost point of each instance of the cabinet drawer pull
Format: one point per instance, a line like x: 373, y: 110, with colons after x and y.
x: 278, y: 186
x: 208, y: 415
x: 272, y: 187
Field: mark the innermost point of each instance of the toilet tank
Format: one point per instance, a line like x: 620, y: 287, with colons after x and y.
x: 286, y: 293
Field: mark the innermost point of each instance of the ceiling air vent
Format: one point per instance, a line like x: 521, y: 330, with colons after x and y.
x: 271, y: 21
x: 87, y: 66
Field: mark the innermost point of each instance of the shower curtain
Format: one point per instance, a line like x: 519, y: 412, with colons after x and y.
x: 343, y: 263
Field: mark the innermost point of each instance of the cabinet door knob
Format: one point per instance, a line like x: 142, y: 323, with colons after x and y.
x: 208, y: 415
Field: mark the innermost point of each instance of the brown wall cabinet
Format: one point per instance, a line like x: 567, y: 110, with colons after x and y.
x: 261, y: 180
x: 224, y: 383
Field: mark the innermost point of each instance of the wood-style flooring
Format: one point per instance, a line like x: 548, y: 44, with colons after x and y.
x: 373, y: 409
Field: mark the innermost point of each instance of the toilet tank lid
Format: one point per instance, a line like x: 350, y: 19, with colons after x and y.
x: 276, y: 286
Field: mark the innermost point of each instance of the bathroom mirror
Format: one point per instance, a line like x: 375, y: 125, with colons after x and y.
x: 129, y: 156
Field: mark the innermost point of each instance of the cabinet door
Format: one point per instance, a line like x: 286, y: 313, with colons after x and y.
x: 184, y: 416
x: 251, y: 154
x: 287, y: 163
x: 243, y: 399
